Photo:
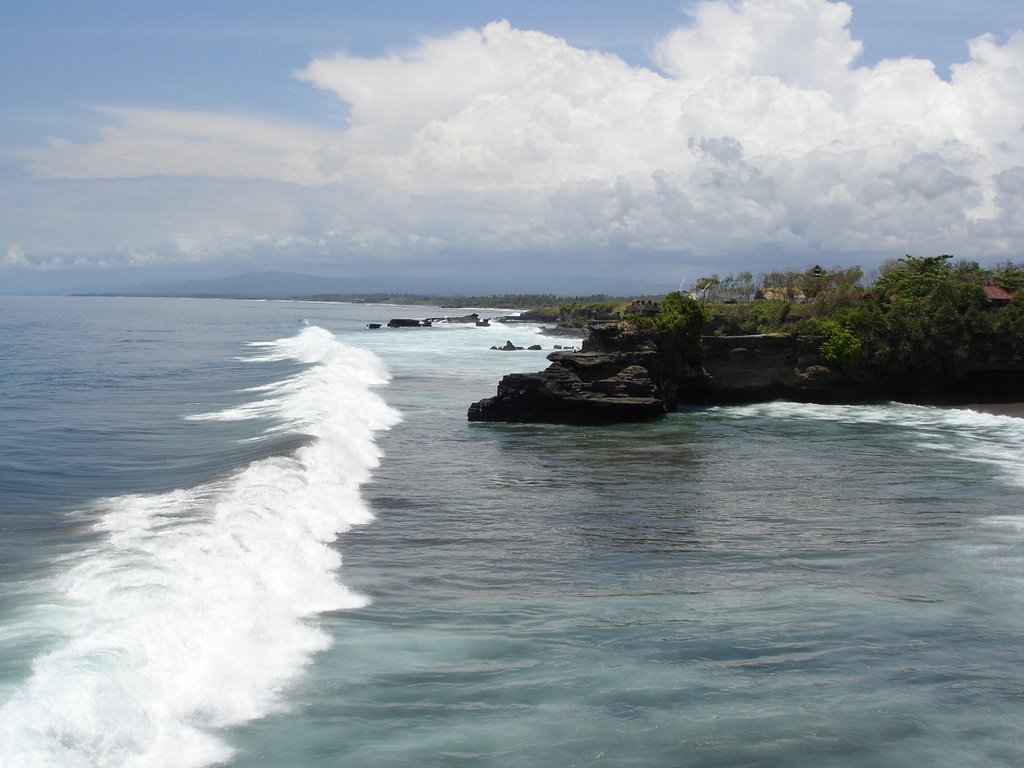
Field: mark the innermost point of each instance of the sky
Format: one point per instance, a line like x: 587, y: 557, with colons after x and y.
x: 504, y: 142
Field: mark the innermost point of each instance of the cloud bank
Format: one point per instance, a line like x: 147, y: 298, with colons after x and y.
x: 756, y: 130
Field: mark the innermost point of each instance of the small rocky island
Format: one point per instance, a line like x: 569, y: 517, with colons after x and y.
x: 923, y: 335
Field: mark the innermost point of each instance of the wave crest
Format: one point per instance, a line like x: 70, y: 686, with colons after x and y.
x: 193, y: 611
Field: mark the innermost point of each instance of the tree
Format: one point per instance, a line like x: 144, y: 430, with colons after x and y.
x: 913, y: 276
x: 840, y: 288
x: 921, y: 321
x: 746, y: 284
x: 1010, y: 276
x: 679, y: 323
x: 706, y: 285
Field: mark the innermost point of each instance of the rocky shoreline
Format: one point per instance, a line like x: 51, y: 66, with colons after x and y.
x: 621, y: 375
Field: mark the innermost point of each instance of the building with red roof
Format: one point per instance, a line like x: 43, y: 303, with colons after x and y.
x: 997, y: 297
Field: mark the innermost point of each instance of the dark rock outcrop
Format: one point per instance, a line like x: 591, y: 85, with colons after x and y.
x: 622, y: 375
x: 508, y: 346
x: 766, y: 367
x: 600, y: 385
x: 559, y: 395
x: 472, y: 317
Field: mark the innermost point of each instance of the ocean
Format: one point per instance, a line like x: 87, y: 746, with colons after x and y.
x: 250, y: 533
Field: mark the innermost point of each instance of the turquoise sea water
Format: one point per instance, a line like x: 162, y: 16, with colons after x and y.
x: 258, y: 534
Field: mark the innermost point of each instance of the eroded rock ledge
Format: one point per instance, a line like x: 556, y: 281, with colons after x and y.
x: 620, y: 376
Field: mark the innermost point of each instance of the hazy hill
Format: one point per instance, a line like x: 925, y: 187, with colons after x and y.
x: 277, y: 285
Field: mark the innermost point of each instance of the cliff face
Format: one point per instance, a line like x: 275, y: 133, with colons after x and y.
x: 765, y: 367
x: 621, y: 375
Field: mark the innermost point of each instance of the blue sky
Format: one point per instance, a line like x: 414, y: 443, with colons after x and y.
x: 157, y: 139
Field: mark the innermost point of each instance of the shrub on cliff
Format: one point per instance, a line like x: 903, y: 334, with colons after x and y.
x: 766, y: 316
x: 679, y: 324
x: 840, y: 347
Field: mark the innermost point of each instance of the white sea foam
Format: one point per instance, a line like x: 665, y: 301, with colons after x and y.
x: 963, y: 434
x: 195, y: 610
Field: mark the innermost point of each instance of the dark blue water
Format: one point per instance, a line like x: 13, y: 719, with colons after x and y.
x: 765, y: 585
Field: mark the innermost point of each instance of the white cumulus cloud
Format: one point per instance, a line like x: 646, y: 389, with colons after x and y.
x: 758, y: 128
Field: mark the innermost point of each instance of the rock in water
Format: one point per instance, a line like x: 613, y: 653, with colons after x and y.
x: 590, y: 387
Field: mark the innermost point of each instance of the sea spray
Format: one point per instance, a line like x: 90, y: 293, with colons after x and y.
x: 192, y: 613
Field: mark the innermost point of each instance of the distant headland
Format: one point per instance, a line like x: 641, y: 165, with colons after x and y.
x: 927, y: 330
x: 422, y: 291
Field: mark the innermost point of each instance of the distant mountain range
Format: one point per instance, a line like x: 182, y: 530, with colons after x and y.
x: 284, y: 285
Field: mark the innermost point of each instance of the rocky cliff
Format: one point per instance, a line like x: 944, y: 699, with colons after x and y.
x: 766, y: 367
x: 615, y: 377
x: 621, y: 375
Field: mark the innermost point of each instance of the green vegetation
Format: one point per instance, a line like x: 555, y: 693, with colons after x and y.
x: 765, y: 316
x: 579, y: 311
x: 840, y: 347
x: 918, y: 317
x: 921, y: 318
x: 679, y: 324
